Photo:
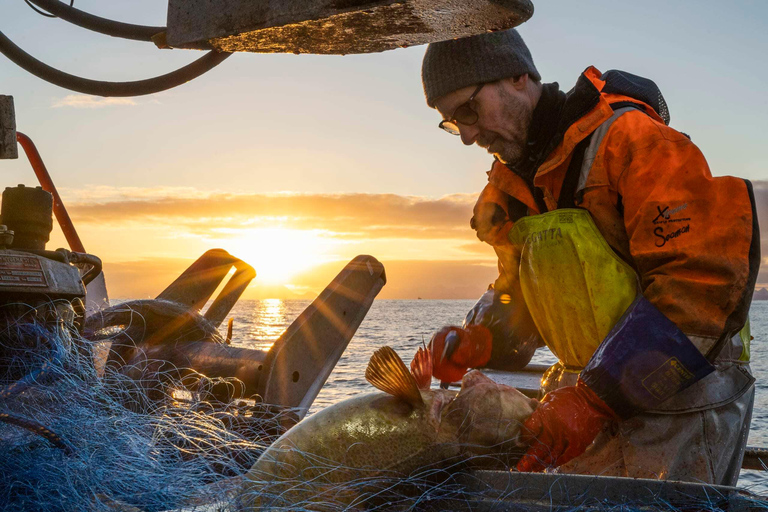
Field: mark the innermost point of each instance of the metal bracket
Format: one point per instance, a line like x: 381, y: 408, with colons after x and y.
x: 195, y: 286
x: 289, y: 375
x: 8, y: 146
x: 300, y: 361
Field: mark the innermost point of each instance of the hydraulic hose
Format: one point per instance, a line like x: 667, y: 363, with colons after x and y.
x: 113, y: 89
x: 96, y: 23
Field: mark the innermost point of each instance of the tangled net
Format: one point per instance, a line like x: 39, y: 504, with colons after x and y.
x: 76, y: 436
x: 453, y: 486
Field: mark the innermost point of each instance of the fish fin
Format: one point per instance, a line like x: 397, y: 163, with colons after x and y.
x: 387, y: 372
x: 421, y: 368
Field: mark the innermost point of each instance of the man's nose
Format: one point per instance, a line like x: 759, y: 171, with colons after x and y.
x: 468, y: 134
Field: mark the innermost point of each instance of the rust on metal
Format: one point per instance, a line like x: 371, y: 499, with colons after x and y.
x: 335, y: 26
x: 8, y: 148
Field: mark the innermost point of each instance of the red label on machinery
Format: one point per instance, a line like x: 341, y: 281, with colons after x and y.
x: 21, y: 271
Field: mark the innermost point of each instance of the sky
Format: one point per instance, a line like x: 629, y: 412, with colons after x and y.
x: 297, y: 163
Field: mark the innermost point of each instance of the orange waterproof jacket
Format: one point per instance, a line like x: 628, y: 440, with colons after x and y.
x: 692, y: 239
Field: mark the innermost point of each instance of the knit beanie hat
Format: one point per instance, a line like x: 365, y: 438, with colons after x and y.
x: 451, y: 65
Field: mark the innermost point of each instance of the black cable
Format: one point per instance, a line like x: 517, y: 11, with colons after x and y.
x: 97, y: 23
x: 113, y: 89
x: 38, y: 11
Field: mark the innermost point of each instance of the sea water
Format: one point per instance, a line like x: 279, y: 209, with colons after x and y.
x: 404, y: 324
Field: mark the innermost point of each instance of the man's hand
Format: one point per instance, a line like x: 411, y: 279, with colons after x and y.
x: 563, y: 426
x: 455, y: 350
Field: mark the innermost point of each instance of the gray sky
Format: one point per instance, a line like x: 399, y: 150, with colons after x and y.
x: 322, y: 124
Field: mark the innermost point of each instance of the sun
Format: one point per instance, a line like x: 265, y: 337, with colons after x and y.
x: 278, y: 254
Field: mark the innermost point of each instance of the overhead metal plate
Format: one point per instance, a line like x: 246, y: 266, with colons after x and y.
x: 334, y: 26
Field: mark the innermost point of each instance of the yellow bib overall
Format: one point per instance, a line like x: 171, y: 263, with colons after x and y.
x: 574, y: 285
x: 577, y: 289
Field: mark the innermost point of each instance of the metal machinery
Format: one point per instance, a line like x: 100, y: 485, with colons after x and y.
x: 171, y: 327
x: 333, y: 26
x: 166, y: 338
x: 38, y: 287
x: 268, y: 26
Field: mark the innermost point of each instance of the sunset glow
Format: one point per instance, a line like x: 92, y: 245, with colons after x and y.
x: 278, y: 254
x: 298, y: 163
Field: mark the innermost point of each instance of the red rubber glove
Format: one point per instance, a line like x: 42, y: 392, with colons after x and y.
x: 455, y: 350
x: 563, y: 426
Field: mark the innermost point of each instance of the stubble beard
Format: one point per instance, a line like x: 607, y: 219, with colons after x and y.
x: 518, y: 114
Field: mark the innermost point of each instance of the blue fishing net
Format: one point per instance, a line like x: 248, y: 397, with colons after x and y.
x: 77, y: 437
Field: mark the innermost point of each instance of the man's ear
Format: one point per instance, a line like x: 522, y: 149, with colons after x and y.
x: 520, y: 82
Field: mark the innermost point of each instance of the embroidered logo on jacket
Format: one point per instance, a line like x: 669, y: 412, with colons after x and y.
x: 667, y: 224
x: 665, y: 214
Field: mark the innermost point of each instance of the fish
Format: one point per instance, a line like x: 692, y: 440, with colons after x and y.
x: 347, y: 453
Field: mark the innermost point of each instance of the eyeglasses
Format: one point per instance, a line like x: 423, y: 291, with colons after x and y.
x: 463, y: 114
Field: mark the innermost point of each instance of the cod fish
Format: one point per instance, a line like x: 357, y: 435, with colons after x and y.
x: 344, y: 454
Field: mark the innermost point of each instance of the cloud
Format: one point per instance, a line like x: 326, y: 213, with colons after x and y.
x: 420, y: 221
x: 345, y: 216
x: 97, y: 194
x: 83, y: 101
x: 406, y: 279
x: 411, y: 279
x: 761, y: 199
x: 477, y: 247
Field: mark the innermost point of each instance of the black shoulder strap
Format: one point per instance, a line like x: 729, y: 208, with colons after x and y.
x: 567, y: 197
x: 516, y: 208
x: 571, y: 180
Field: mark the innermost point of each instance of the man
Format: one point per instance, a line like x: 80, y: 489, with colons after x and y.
x: 619, y: 250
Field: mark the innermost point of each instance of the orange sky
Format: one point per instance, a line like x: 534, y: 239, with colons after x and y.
x: 296, y: 242
x: 350, y: 137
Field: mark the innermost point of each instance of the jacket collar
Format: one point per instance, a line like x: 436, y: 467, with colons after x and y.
x: 583, y: 111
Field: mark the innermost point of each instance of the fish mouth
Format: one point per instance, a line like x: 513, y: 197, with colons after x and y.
x: 487, y: 416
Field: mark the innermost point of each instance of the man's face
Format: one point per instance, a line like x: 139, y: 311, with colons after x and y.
x: 504, y: 111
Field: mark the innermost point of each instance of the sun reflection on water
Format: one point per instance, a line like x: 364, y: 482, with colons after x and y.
x: 267, y: 319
